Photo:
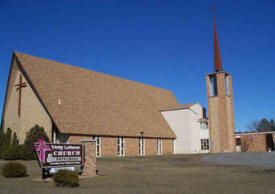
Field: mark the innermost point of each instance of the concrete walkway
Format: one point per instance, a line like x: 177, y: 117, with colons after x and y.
x: 262, y: 159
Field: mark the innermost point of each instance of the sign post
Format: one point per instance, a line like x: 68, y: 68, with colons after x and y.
x: 57, y: 156
x: 89, y: 169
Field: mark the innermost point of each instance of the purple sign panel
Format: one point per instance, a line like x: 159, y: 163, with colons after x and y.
x: 55, y: 155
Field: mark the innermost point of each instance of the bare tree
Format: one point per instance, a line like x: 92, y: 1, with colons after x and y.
x: 253, y: 126
x: 262, y: 125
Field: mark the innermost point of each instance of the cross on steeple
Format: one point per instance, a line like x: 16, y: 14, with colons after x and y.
x: 19, y: 86
x: 217, y: 53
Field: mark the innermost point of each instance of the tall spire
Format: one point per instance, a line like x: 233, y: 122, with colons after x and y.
x: 217, y: 53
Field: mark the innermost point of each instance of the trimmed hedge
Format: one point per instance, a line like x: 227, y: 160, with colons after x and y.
x: 14, y: 169
x: 66, y: 178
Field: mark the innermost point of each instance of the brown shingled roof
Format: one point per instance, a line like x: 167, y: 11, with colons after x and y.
x: 96, y: 103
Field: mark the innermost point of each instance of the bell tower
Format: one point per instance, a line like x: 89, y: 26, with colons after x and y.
x: 220, y: 104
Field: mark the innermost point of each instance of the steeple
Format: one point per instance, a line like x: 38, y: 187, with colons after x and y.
x: 220, y: 104
x: 217, y: 53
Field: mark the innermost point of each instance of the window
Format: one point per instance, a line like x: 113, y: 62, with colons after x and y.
x: 159, y: 146
x: 213, y: 89
x: 238, y: 142
x: 120, y: 146
x: 227, y: 85
x: 141, y: 145
x: 204, y: 144
x: 54, y: 136
x: 98, y: 146
x: 204, y: 125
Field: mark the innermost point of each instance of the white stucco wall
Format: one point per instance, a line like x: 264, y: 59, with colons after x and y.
x: 178, y: 120
x: 195, y: 115
x: 184, y: 123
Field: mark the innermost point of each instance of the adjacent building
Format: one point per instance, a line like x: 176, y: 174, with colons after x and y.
x: 189, y: 123
x: 255, y: 141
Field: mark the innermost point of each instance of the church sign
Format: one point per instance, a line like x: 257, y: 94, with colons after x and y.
x: 59, y: 155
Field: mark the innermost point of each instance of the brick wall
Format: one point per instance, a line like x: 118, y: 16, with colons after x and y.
x: 131, y: 147
x: 89, y: 169
x: 90, y: 154
x: 150, y: 146
x: 32, y: 111
x: 167, y: 146
x: 77, y: 139
x: 221, y: 114
x: 253, y: 143
x: 108, y: 146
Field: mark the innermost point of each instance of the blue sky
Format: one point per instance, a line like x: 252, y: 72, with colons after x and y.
x: 168, y: 44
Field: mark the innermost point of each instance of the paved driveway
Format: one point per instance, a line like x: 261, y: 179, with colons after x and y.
x: 263, y: 159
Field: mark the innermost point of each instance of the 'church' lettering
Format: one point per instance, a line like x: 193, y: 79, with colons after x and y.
x: 66, y: 153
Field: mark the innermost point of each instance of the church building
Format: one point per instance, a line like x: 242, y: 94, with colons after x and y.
x: 72, y: 103
x: 126, y: 118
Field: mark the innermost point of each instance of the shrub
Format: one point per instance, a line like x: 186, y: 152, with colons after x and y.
x: 8, y: 136
x: 66, y: 178
x: 3, y: 148
x: 11, y: 153
x: 35, y: 133
x: 3, y: 139
x: 15, y: 140
x: 14, y: 169
x: 27, y: 153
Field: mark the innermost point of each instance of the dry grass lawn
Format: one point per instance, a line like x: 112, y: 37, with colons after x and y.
x: 152, y: 174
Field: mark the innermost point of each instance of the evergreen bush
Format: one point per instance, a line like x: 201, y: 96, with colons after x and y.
x: 35, y: 133
x: 27, y: 153
x: 14, y: 169
x: 9, y: 148
x: 2, y: 149
x: 66, y: 178
x: 12, y: 152
x: 5, y: 141
x: 8, y: 136
x: 2, y: 138
x: 15, y: 140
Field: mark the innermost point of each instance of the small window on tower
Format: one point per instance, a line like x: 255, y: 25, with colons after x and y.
x: 213, y: 89
x: 227, y: 85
